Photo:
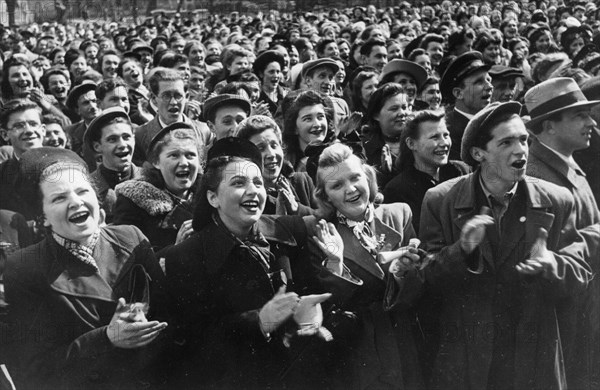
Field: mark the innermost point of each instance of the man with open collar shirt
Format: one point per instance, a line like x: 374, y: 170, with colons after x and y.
x: 504, y: 248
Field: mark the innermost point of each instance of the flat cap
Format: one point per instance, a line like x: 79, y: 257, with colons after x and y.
x: 481, y: 120
x: 212, y: 104
x: 81, y: 89
x: 314, y: 64
x: 503, y: 72
x: 94, y: 130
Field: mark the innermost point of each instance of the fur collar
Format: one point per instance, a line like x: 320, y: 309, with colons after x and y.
x: 146, y: 196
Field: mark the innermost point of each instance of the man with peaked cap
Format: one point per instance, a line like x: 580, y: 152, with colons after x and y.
x: 503, y: 248
x: 561, y: 123
x: 467, y: 84
x: 504, y: 81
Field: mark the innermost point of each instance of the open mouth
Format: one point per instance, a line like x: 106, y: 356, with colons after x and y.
x: 250, y: 205
x: 441, y: 153
x: 353, y: 199
x: 79, y: 217
x: 271, y: 166
x: 122, y: 154
x: 182, y: 174
x: 519, y: 164
x: 316, y: 132
x: 174, y: 110
x: 23, y: 84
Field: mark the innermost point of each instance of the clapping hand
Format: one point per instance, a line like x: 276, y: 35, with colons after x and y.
x: 127, y: 329
x: 473, y: 231
x: 386, y: 159
x: 278, y: 310
x: 291, y: 204
x: 541, y: 261
x: 330, y: 242
x: 309, y: 316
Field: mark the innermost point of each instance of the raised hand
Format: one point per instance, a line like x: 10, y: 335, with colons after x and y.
x: 278, y: 310
x: 332, y: 245
x: 386, y: 159
x: 541, y: 259
x: 291, y: 204
x: 124, y: 331
x: 185, y: 230
x: 350, y: 123
x: 473, y: 231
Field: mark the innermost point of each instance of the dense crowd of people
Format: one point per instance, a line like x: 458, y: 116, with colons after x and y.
x: 363, y: 198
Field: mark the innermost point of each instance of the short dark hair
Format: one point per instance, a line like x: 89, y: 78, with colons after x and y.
x: 322, y: 44
x: 14, y: 106
x: 108, y: 85
x: 45, y: 79
x: 411, y: 130
x: 366, y: 48
x: 431, y: 37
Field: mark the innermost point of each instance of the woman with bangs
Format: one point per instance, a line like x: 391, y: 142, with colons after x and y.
x: 131, y: 71
x: 288, y: 192
x: 389, y: 110
x: 160, y: 202
x: 235, y: 293
x: 308, y: 120
x: 374, y: 245
x: 362, y: 87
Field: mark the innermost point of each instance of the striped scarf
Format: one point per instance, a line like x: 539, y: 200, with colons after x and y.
x: 81, y: 252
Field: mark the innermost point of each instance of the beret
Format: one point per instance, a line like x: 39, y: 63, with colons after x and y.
x: 35, y: 161
x: 482, y: 119
x: 166, y: 130
x: 265, y: 58
x: 235, y: 147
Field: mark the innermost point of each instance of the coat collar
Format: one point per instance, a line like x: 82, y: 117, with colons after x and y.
x: 146, y: 196
x: 70, y: 277
x: 554, y: 162
x: 356, y: 253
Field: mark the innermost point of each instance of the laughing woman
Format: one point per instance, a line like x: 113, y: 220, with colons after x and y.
x: 66, y: 294
x: 268, y: 67
x: 228, y: 283
x: 309, y: 119
x: 378, y: 352
x: 160, y: 203
x: 288, y: 192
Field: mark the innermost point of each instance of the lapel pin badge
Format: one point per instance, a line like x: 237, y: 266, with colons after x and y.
x: 522, y: 219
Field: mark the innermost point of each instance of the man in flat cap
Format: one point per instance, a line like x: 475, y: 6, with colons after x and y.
x: 319, y: 76
x: 110, y: 135
x: 503, y: 247
x: 224, y: 112
x: 168, y: 95
x: 82, y: 100
x: 561, y: 123
x: 467, y: 84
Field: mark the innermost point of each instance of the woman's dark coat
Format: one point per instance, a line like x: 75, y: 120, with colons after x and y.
x: 59, y: 309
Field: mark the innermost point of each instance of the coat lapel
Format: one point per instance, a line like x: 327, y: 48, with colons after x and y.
x: 355, y: 252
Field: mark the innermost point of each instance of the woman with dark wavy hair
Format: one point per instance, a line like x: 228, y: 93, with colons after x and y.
x: 309, y: 119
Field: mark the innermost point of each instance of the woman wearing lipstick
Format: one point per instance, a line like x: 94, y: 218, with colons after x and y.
x: 231, y: 283
x: 378, y: 350
x: 390, y: 109
x: 71, y: 295
x: 309, y: 119
x: 288, y: 192
x: 160, y: 202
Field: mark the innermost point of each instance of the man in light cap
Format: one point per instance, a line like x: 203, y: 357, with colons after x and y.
x: 319, y: 75
x: 561, y: 123
x: 467, y: 84
x: 503, y: 246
